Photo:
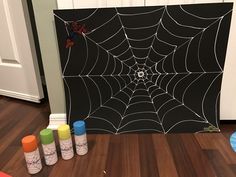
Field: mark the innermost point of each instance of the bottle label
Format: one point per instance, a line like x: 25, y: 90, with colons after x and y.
x: 33, y: 161
x: 67, y: 151
x: 81, y: 144
x: 50, y: 153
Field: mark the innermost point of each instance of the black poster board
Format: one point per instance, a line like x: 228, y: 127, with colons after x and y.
x: 144, y: 69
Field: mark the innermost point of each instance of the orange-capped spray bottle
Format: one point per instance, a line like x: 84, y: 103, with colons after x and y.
x: 31, y: 152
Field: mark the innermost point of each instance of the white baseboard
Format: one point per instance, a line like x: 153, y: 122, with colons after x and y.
x: 22, y: 96
x: 55, y: 120
x: 228, y: 118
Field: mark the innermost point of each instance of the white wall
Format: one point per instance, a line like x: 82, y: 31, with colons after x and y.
x: 228, y: 92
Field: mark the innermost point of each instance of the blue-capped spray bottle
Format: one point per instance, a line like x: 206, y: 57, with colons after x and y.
x: 80, y: 137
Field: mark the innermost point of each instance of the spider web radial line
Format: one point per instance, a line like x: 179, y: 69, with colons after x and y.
x: 203, y: 100
x: 198, y: 52
x: 150, y: 97
x: 64, y: 21
x: 186, y: 42
x: 107, y: 63
x: 86, y: 43
x: 190, y: 85
x: 186, y: 55
x: 124, y: 32
x: 97, y: 58
x: 108, y: 52
x: 182, y: 103
x: 69, y: 111
x: 122, y: 117
x: 216, y: 37
x: 109, y: 99
x: 66, y: 29
x: 100, y: 96
x: 186, y: 73
x: 67, y: 61
x: 84, y: 76
x: 104, y: 75
x: 216, y: 113
x: 158, y: 26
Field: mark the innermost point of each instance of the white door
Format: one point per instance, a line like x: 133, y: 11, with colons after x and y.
x: 19, y: 73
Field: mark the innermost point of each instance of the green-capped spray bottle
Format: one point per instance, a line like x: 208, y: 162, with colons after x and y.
x: 49, y: 148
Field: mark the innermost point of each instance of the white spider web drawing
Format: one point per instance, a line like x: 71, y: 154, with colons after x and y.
x: 153, y: 69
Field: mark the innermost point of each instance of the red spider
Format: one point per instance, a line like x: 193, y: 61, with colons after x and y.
x: 74, y: 29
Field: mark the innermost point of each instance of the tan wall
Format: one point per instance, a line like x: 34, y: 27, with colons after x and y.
x: 47, y: 38
x: 43, y: 10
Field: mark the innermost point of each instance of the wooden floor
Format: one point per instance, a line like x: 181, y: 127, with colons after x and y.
x: 130, y: 155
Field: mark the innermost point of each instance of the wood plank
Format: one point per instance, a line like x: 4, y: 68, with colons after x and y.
x: 219, y: 164
x: 123, y: 157
x: 98, y: 155
x: 130, y: 155
x: 165, y: 161
x: 114, y: 158
x: 15, y: 137
x: 233, y: 168
x: 138, y: 155
x: 27, y: 120
x: 4, y: 103
x: 5, y: 114
x: 15, y: 165
x: 148, y: 162
x: 207, y: 140
x: 182, y: 160
x: 218, y: 142
x: 63, y: 168
x: 200, y: 162
x: 228, y: 128
x: 93, y: 163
